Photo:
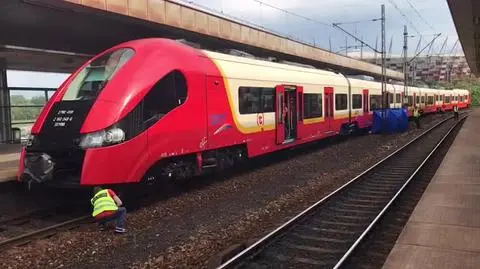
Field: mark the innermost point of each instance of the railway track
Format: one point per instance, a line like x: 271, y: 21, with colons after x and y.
x: 23, y: 229
x: 328, y: 232
x: 42, y: 223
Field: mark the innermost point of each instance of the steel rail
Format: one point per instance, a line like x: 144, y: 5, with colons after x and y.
x: 38, y: 232
x: 380, y: 215
x: 249, y: 250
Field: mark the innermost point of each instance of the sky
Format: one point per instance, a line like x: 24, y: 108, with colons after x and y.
x: 424, y: 18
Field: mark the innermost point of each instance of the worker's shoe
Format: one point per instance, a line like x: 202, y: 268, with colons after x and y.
x: 120, y: 230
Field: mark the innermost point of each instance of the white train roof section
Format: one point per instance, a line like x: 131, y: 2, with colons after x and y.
x: 244, y: 68
x: 235, y: 67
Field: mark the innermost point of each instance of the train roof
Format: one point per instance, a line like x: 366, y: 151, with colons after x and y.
x: 254, y: 69
x: 248, y: 67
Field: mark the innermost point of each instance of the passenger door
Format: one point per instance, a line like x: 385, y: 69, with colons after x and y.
x: 365, y: 102
x: 279, y: 114
x: 328, y: 92
x: 300, y: 110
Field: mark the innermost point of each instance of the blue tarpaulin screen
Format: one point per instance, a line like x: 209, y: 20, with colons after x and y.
x: 396, y: 121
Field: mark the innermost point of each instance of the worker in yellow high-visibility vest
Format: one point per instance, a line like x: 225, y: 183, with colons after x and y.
x: 107, y: 206
x: 416, y: 116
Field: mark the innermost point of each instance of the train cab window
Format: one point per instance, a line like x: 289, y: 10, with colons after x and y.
x: 312, y: 105
x: 340, y: 101
x: 390, y: 98
x: 410, y: 100
x: 375, y: 102
x: 93, y: 78
x: 430, y: 100
x: 398, y: 98
x: 168, y: 93
x: 254, y: 100
x: 356, y: 101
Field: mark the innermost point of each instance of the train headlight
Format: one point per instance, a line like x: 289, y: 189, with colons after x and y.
x: 115, y: 135
x: 102, y: 138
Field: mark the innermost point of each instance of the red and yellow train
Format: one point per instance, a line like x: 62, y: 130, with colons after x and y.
x: 157, y: 108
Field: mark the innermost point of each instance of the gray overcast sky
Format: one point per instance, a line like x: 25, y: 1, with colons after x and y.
x: 426, y: 16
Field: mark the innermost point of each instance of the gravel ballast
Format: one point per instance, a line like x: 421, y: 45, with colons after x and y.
x: 188, y: 229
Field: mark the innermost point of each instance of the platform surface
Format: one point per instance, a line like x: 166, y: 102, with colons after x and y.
x: 9, y: 161
x: 444, y: 229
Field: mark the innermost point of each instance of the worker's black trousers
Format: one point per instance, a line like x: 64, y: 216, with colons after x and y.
x: 417, y: 121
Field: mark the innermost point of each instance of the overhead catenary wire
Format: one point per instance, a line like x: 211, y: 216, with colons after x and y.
x: 292, y: 13
x: 392, y: 2
x: 420, y: 15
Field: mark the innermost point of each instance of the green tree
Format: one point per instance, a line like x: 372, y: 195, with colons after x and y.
x: 38, y: 100
x: 16, y: 100
x: 25, y: 114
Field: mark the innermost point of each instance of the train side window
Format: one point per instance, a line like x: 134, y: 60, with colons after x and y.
x: 268, y: 99
x: 410, y: 100
x: 340, y: 101
x: 390, y: 98
x: 423, y: 99
x: 254, y: 100
x: 418, y: 99
x: 356, y: 101
x: 375, y: 102
x: 430, y: 100
x: 312, y: 105
x: 168, y: 93
x: 398, y: 98
x: 441, y: 98
x: 447, y: 99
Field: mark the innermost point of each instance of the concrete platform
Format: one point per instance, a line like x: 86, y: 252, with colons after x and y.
x: 9, y: 161
x: 444, y: 229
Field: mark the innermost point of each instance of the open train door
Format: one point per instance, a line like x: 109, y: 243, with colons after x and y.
x: 300, y: 109
x: 366, y: 107
x: 288, y: 118
x: 280, y: 114
x: 328, y: 92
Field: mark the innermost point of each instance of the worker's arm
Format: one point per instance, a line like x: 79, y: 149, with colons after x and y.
x: 117, y: 200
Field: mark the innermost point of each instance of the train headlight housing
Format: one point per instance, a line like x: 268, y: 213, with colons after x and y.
x: 102, y: 138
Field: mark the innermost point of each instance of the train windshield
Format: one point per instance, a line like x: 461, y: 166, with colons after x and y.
x: 93, y: 78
